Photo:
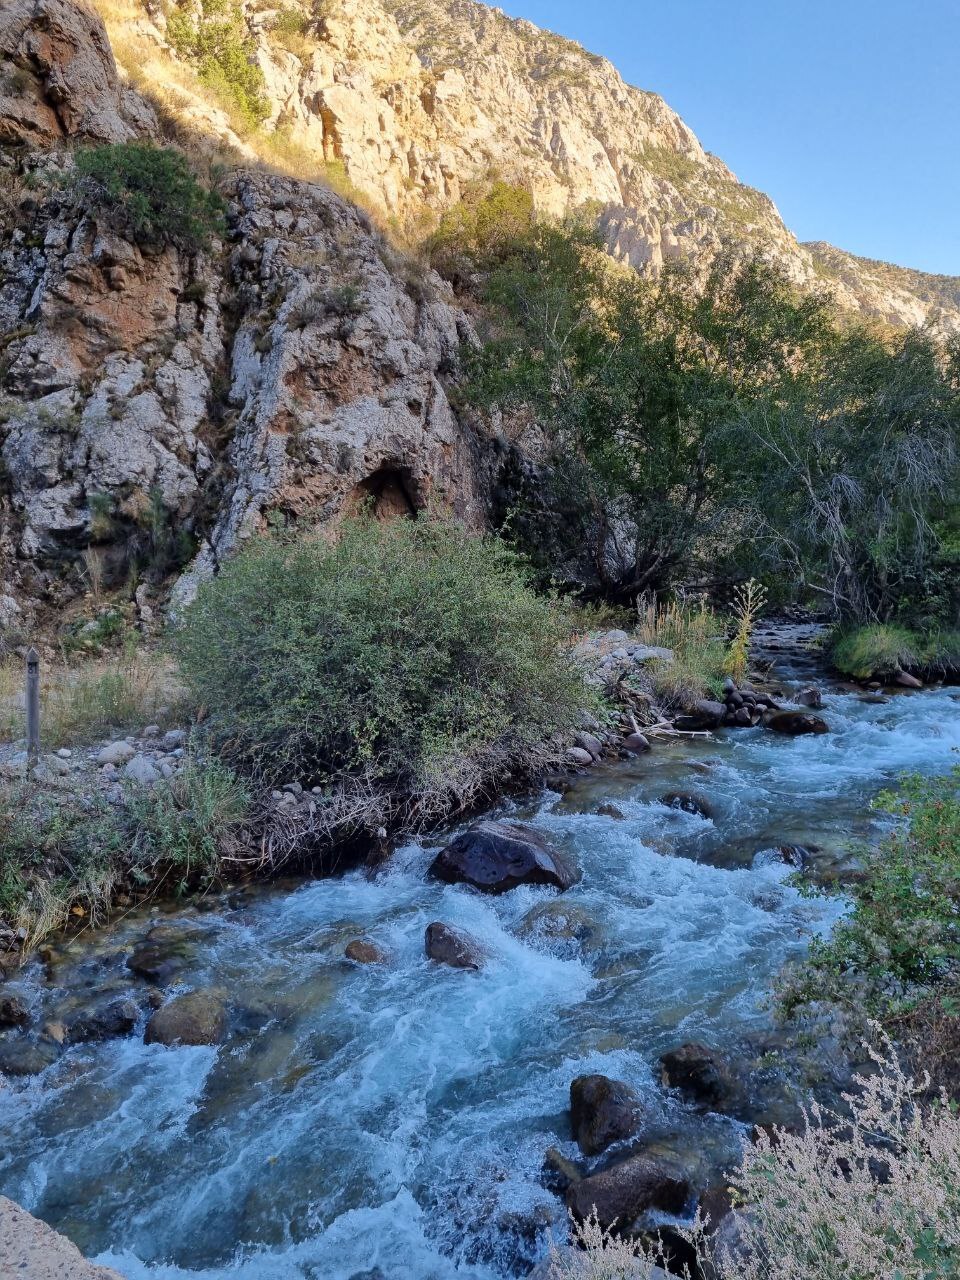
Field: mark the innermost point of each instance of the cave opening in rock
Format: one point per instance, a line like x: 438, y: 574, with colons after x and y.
x: 386, y: 494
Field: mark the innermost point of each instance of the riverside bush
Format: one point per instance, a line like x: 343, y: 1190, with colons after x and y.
x: 62, y: 857
x: 901, y: 941
x: 410, y: 658
x: 882, y: 649
x: 148, y: 193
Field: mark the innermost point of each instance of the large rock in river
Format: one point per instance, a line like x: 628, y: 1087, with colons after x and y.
x: 199, y: 1017
x: 701, y: 1074
x: 453, y: 947
x: 602, y: 1111
x: 621, y: 1194
x: 496, y: 856
x: 795, y: 723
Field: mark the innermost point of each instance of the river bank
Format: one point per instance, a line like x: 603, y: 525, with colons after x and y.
x: 399, y: 1115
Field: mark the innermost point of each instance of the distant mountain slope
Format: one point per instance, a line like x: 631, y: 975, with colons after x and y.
x: 411, y: 101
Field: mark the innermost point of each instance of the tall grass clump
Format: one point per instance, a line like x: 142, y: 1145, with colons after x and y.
x: 410, y: 658
x: 80, y: 701
x: 696, y: 637
x: 883, y: 649
x: 749, y: 599
x: 65, y: 859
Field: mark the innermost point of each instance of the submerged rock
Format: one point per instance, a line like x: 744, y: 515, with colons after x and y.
x: 104, y: 1020
x: 13, y: 1012
x: 165, y: 951
x: 701, y: 1074
x: 496, y: 856
x: 23, y: 1057
x: 687, y: 802
x: 811, y: 696
x: 452, y: 947
x: 626, y: 1190
x: 795, y: 723
x: 360, y: 951
x: 199, y: 1017
x: 602, y: 1111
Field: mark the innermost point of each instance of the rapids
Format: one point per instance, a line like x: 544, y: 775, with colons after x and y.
x: 391, y: 1121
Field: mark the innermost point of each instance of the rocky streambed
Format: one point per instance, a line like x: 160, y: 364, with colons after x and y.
x: 282, y: 1083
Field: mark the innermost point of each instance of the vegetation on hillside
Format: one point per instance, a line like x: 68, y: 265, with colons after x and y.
x: 215, y: 37
x: 720, y: 426
x: 404, y: 669
x: 148, y: 193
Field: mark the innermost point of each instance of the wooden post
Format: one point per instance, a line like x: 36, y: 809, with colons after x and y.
x: 33, y: 711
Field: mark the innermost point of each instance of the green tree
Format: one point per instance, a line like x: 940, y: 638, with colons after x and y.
x: 217, y: 39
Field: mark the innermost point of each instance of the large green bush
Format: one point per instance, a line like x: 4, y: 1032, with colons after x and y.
x: 409, y: 657
x: 149, y: 193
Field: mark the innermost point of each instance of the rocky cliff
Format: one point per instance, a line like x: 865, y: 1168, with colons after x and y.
x: 154, y: 399
x: 156, y: 405
x: 414, y: 100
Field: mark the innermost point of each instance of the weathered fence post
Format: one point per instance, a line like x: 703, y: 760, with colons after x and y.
x: 33, y: 710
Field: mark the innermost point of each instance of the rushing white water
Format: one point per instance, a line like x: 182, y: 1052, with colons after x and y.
x: 392, y: 1120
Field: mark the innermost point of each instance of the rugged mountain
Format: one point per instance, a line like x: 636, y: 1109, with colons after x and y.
x: 414, y: 100
x: 161, y: 403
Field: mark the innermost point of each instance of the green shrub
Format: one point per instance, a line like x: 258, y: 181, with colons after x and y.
x: 188, y: 826
x: 882, y: 649
x: 901, y: 941
x: 410, y: 657
x: 149, y: 193
x: 64, y: 857
x: 480, y: 231
x: 218, y: 41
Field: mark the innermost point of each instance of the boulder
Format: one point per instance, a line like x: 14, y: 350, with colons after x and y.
x: 360, y: 951
x: 811, y: 696
x: 496, y: 856
x: 687, y: 803
x: 701, y: 1074
x: 559, y: 1171
x: 636, y: 743
x: 794, y: 723
x: 13, y: 1012
x: 30, y: 1250
x: 199, y: 1017
x: 142, y: 770
x: 104, y: 1020
x: 452, y: 947
x: 590, y: 743
x: 906, y: 681
x: 602, y: 1111
x: 626, y: 1190
x: 704, y: 714
x: 116, y: 753
x: 579, y: 757
x: 791, y: 855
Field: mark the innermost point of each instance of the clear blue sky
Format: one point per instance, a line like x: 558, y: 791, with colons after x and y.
x: 846, y: 112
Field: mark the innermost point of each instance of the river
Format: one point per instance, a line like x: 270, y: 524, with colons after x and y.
x: 391, y: 1121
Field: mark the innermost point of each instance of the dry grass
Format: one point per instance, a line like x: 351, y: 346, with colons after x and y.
x: 697, y: 638
x: 79, y: 702
x: 868, y: 1195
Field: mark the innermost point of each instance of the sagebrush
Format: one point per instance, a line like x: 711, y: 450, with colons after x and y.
x: 410, y: 657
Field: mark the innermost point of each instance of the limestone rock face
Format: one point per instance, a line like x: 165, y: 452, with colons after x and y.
x: 415, y: 100
x: 61, y: 79
x: 133, y: 395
